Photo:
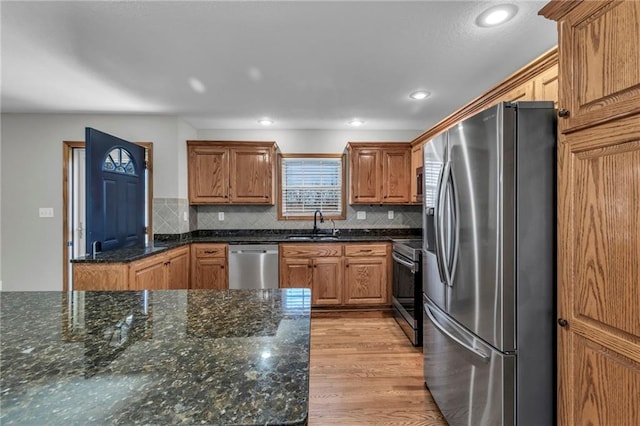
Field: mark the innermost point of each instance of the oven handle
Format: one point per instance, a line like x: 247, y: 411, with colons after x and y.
x: 406, y: 263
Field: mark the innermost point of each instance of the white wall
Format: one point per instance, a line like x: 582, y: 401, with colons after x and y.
x: 311, y: 141
x: 32, y: 178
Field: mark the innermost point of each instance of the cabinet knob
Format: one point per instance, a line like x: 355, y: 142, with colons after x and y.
x: 563, y: 112
x: 563, y: 322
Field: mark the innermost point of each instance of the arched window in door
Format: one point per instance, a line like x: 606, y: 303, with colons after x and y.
x: 118, y: 160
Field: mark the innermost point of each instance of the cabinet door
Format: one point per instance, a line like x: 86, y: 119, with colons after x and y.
x: 546, y: 86
x: 523, y: 92
x: 326, y: 287
x: 149, y: 274
x: 295, y: 272
x: 178, y: 268
x: 598, y: 274
x: 365, y: 171
x: 365, y: 280
x: 417, y: 161
x: 599, y: 63
x: 210, y: 273
x: 395, y: 175
x: 208, y: 171
x: 251, y: 176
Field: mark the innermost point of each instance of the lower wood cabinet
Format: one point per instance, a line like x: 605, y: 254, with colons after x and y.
x: 338, y: 274
x: 314, y: 266
x: 366, y: 274
x: 163, y: 271
x: 209, y: 268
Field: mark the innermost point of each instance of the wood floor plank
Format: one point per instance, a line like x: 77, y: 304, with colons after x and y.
x: 365, y: 372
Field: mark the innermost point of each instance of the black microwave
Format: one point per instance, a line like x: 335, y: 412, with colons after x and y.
x: 419, y: 184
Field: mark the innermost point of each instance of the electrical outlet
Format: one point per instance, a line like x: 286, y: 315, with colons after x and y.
x: 361, y: 215
x: 46, y: 212
x: 220, y: 215
x: 390, y: 214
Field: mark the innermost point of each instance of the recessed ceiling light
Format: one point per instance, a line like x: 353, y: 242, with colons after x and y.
x: 356, y: 122
x: 266, y: 121
x: 197, y: 85
x: 419, y: 94
x: 496, y: 15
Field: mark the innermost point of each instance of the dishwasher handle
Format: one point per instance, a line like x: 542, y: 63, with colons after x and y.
x: 253, y: 250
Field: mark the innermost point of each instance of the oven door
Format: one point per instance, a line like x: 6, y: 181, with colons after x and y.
x: 407, y: 297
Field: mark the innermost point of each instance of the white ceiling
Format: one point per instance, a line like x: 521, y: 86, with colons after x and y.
x: 305, y: 64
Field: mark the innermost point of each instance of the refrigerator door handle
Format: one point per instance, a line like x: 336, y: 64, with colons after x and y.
x: 459, y: 341
x: 456, y: 228
x: 443, y: 267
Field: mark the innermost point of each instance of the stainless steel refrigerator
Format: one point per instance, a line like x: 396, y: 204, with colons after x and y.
x: 489, y: 267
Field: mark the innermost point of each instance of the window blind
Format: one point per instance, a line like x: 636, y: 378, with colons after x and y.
x: 311, y: 183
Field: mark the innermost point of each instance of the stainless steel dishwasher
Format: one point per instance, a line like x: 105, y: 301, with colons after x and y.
x: 253, y: 266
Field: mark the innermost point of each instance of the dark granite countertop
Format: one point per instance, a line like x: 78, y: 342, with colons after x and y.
x: 155, y: 357
x: 246, y: 236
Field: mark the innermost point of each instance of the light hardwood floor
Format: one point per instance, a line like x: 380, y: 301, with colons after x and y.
x: 365, y: 372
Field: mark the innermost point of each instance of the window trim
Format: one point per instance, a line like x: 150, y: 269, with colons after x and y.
x: 343, y: 204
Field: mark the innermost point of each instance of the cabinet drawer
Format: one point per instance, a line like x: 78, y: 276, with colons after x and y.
x: 210, y: 250
x: 352, y: 250
x: 310, y: 250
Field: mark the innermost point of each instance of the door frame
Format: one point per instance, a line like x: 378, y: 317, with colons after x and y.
x: 67, y: 150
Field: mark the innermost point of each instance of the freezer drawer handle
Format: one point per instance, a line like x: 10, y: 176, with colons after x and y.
x: 468, y: 347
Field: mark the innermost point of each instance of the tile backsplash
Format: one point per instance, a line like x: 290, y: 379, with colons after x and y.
x: 266, y: 217
x: 169, y: 214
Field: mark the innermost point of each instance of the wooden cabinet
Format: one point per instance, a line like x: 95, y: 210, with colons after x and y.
x: 209, y: 269
x: 338, y: 274
x: 315, y: 266
x: 598, y: 205
x: 366, y: 274
x: 149, y: 273
x: 417, y: 161
x: 545, y: 86
x: 165, y: 270
x: 599, y: 63
x: 524, y: 92
x: 231, y: 172
x: 379, y: 173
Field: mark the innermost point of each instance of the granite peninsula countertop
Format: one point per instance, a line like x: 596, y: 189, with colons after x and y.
x: 164, y: 242
x: 232, y: 357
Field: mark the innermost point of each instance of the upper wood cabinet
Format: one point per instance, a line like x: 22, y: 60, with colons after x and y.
x: 598, y: 223
x: 545, y: 86
x: 417, y: 161
x: 223, y: 172
x: 379, y: 173
x: 599, y: 64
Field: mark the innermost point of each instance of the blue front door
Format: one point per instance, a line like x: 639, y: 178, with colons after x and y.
x: 115, y: 192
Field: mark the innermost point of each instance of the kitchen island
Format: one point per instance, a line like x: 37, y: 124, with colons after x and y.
x: 155, y: 357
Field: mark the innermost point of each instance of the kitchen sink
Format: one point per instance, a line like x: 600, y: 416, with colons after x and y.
x: 312, y: 238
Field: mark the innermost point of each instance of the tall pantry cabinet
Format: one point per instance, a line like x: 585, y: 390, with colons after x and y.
x: 598, y: 211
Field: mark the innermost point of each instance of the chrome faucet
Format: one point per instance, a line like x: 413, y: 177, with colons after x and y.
x: 315, y: 218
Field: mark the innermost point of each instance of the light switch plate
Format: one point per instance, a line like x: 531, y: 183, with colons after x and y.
x: 185, y: 216
x: 220, y: 215
x: 46, y: 212
x: 361, y: 215
x: 390, y: 214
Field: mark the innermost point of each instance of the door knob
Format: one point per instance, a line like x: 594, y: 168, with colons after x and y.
x: 563, y: 112
x: 563, y: 322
